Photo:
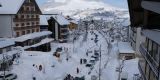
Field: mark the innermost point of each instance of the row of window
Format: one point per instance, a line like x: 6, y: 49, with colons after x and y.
x: 26, y: 16
x: 28, y: 8
x: 27, y: 24
x: 26, y: 32
x: 153, y: 49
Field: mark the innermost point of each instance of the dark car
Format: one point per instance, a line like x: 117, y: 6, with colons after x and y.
x: 9, y: 76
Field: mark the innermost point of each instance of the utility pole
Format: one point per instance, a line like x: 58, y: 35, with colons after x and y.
x: 100, y: 64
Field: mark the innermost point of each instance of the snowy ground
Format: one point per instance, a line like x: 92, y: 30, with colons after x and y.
x: 57, y: 69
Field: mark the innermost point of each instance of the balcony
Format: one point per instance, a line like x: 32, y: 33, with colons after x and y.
x: 24, y: 20
x: 141, y: 66
x: 24, y: 28
x: 30, y: 12
x: 152, y: 63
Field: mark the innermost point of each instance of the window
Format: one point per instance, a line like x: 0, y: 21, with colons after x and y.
x: 37, y: 23
x: 32, y: 16
x: 23, y: 32
x: 149, y: 46
x: 147, y: 71
x: 37, y: 16
x: 155, y: 51
x: 28, y: 23
x: 33, y: 9
x: 32, y: 23
x: 16, y: 16
x: 22, y: 24
x: 28, y: 31
x: 37, y: 30
x: 27, y: 16
x: 22, y: 16
x: 152, y: 75
x: 27, y: 8
x: 33, y: 30
x: 17, y: 24
x: 17, y: 34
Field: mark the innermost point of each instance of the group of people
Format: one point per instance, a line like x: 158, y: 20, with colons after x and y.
x: 38, y: 68
x: 69, y: 77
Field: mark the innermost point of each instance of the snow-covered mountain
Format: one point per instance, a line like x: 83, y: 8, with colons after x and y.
x: 82, y: 8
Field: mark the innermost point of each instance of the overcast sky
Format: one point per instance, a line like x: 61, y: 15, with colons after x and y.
x: 116, y: 3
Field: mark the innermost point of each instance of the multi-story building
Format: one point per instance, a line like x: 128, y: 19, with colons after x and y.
x: 59, y: 27
x: 136, y: 17
x: 146, y: 15
x: 19, y: 17
x: 20, y: 20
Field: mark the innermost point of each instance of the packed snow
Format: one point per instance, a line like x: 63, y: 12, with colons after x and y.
x: 54, y: 68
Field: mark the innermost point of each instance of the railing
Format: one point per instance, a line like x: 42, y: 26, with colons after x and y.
x: 141, y: 70
x: 152, y: 63
x: 27, y: 27
x: 24, y: 20
x: 33, y: 12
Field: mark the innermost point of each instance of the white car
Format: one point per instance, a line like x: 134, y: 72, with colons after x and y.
x: 8, y: 76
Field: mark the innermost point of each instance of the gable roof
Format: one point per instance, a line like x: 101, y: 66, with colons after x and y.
x: 11, y: 6
x: 61, y: 19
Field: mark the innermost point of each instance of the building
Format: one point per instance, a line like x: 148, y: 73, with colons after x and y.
x: 19, y: 17
x: 7, y: 53
x: 136, y: 17
x: 73, y: 23
x: 58, y: 25
x: 38, y: 41
x: 44, y: 22
x: 146, y: 15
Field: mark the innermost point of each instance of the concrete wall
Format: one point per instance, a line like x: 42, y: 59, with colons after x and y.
x: 6, y: 29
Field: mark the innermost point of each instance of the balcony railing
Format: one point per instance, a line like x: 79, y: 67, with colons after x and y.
x: 152, y: 63
x: 24, y: 20
x: 27, y: 27
x: 32, y: 12
x: 141, y: 67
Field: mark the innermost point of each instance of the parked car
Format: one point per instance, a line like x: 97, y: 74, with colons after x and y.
x: 89, y: 65
x: 8, y: 76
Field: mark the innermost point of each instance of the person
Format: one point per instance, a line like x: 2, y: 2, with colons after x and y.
x: 77, y: 70
x: 80, y: 61
x: 34, y: 78
x: 40, y: 67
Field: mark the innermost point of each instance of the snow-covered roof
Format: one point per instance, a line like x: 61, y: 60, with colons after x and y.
x: 32, y: 36
x: 74, y: 21
x: 61, y: 19
x: 10, y: 6
x: 6, y: 42
x: 125, y: 47
x: 44, y: 41
x: 43, y: 20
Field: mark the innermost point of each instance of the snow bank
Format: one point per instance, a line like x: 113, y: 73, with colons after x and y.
x: 6, y: 42
x: 125, y: 47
